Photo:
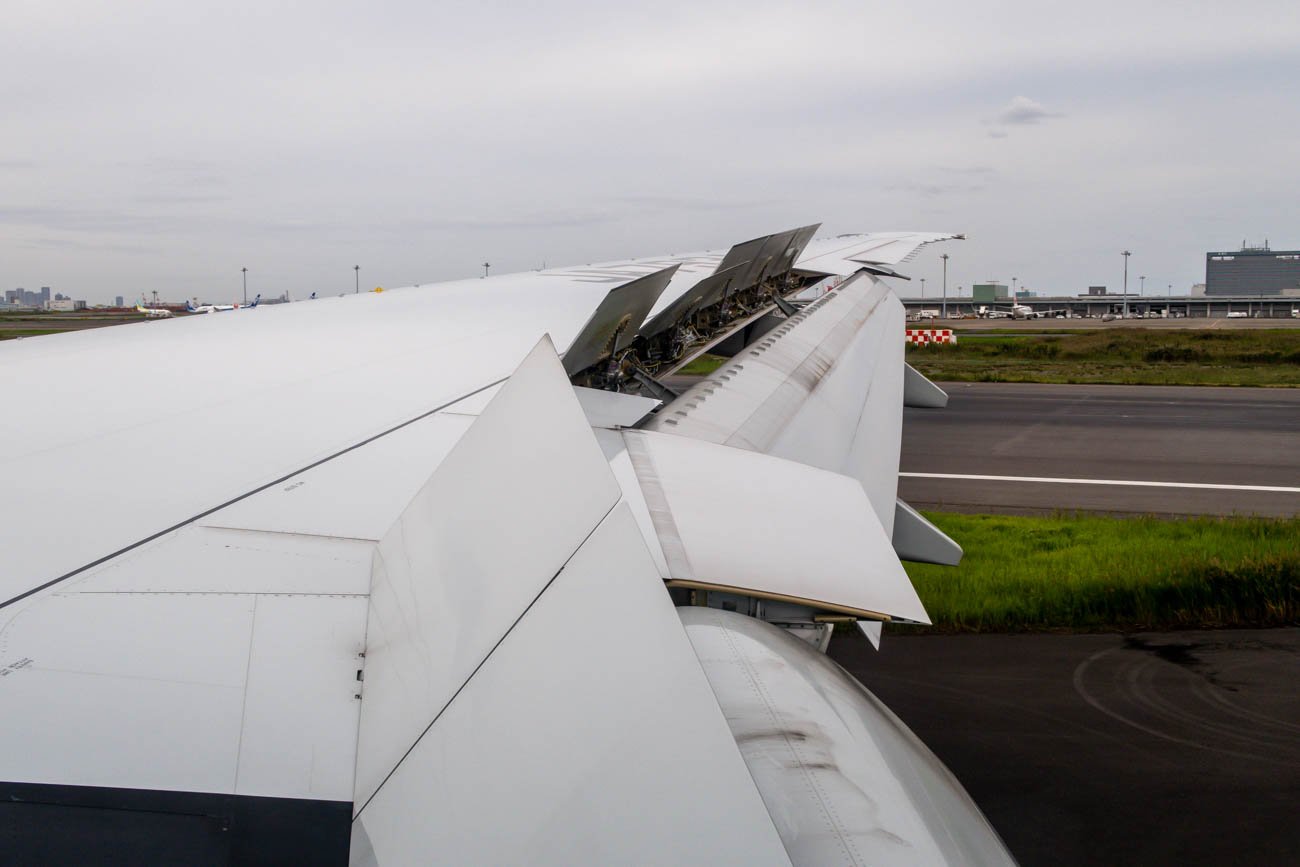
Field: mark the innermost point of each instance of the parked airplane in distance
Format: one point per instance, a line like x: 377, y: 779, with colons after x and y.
x: 153, y: 312
x: 191, y: 307
x: 1016, y: 311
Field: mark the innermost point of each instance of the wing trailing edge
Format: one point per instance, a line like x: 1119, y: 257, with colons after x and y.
x: 734, y: 521
x: 823, y: 388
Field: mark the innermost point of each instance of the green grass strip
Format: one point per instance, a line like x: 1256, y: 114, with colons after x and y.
x: 1129, y: 356
x: 1090, y: 572
x: 703, y: 365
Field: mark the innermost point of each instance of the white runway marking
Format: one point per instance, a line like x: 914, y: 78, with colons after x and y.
x: 1119, y: 482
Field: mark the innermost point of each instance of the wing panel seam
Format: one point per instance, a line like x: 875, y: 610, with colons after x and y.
x: 529, y: 607
x: 201, y: 515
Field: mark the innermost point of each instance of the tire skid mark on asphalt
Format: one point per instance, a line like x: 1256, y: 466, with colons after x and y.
x: 1147, y: 694
x: 1064, y: 722
x: 1285, y: 731
x: 1139, y: 675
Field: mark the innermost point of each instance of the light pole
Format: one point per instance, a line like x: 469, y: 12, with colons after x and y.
x: 1142, y: 285
x: 486, y: 266
x: 944, y: 314
x: 244, y: 271
x: 922, y: 289
x: 1014, y: 296
x: 356, y: 272
x: 1126, y: 255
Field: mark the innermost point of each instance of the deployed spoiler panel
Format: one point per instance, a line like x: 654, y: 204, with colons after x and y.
x: 615, y: 323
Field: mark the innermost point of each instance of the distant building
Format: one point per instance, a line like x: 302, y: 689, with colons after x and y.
x: 1198, y: 290
x: 984, y: 293
x: 20, y: 297
x: 1253, y: 271
x: 1096, y: 290
x: 117, y: 302
x: 65, y: 305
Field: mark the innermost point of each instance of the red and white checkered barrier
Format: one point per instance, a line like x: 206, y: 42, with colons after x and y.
x: 926, y: 336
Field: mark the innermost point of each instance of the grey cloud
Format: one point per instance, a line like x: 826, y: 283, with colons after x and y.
x: 78, y: 219
x: 982, y: 171
x: 1022, y: 110
x: 686, y: 203
x: 180, y: 199
x: 76, y: 245
x: 931, y: 190
x: 538, y: 221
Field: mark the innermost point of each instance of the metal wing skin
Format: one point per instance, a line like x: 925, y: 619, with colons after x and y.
x: 429, y: 615
x: 847, y: 254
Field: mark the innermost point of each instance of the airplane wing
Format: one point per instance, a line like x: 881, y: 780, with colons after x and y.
x: 430, y: 615
x: 847, y: 254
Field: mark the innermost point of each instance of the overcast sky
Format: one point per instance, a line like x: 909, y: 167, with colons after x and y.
x: 163, y: 146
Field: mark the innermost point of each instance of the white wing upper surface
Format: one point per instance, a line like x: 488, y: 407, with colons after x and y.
x: 355, y: 559
x: 105, y: 420
x: 845, y: 254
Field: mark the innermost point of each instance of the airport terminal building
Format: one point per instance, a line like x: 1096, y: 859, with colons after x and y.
x: 1253, y: 271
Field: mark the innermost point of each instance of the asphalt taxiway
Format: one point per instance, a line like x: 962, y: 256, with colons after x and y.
x: 1027, y: 448
x: 1171, y: 748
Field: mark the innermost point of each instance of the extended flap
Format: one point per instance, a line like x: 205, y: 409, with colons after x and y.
x: 736, y: 520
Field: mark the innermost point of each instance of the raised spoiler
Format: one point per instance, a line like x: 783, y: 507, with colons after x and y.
x: 822, y: 390
x: 826, y: 389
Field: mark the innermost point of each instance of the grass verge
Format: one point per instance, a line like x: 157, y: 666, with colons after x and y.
x: 1089, y: 572
x: 704, y: 365
x: 1126, y: 357
x: 12, y: 334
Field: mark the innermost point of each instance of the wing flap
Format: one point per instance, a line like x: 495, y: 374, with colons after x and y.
x: 824, y: 388
x: 481, y: 539
x: 733, y: 520
x: 589, y: 735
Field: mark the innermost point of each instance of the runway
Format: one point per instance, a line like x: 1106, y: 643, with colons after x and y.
x: 1170, y: 748
x: 1029, y: 449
